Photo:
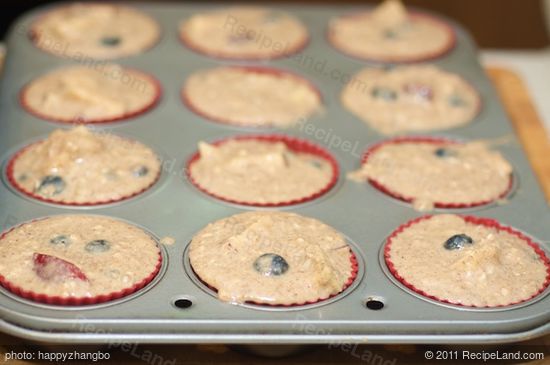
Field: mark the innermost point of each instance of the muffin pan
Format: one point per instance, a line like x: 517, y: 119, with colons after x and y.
x: 175, y: 308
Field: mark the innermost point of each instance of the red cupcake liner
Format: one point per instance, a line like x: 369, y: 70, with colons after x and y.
x: 416, y: 15
x: 13, y: 182
x: 251, y: 56
x: 74, y: 301
x: 351, y: 279
x: 76, y: 121
x: 429, y: 140
x: 265, y: 70
x: 294, y: 144
x: 33, y: 34
x: 487, y: 222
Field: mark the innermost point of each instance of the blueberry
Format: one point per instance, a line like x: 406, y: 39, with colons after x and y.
x: 316, y: 164
x: 141, y: 171
x: 384, y: 93
x: 389, y: 34
x: 457, y: 101
x: 49, y: 183
x: 458, y: 241
x: 22, y: 177
x: 111, y: 41
x: 60, y: 240
x: 444, y: 152
x: 98, y: 246
x: 270, y: 264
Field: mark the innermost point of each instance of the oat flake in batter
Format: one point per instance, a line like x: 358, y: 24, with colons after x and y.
x: 467, y: 263
x: 84, y: 94
x: 78, y: 166
x: 410, y: 99
x: 271, y: 257
x: 78, y: 256
x: 244, y: 32
x: 99, y: 31
x: 251, y: 97
x: 255, y: 172
x: 444, y: 172
x: 390, y: 33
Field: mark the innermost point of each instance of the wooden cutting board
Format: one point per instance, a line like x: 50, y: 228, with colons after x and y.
x: 534, y: 138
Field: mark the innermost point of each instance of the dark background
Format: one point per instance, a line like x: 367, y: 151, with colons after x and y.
x: 494, y: 23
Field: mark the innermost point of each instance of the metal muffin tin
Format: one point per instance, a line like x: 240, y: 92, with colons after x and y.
x: 175, y: 208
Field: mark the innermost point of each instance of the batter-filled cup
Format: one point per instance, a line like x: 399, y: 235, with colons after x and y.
x: 263, y: 170
x: 467, y: 261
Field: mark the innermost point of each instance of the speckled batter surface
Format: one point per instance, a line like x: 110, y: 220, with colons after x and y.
x: 75, y: 262
x: 225, y: 255
x: 390, y: 33
x: 410, y: 99
x: 81, y: 166
x: 446, y: 173
x: 243, y: 32
x: 251, y: 97
x: 100, y: 31
x: 259, y: 172
x: 497, y: 269
x: 83, y: 94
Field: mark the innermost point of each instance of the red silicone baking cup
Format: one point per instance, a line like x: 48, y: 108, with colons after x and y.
x: 415, y: 15
x: 251, y: 56
x: 75, y: 301
x: 427, y: 140
x: 487, y: 222
x: 353, y: 275
x: 133, y: 114
x: 251, y: 69
x: 13, y: 182
x: 33, y: 34
x: 294, y: 144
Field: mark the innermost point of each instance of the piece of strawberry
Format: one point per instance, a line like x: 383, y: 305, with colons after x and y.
x: 51, y: 268
x: 421, y: 91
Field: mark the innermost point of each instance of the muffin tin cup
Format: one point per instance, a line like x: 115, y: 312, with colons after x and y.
x: 15, y: 185
x: 353, y: 276
x: 122, y: 118
x: 265, y: 70
x: 429, y: 140
x: 403, y: 60
x: 71, y: 300
x: 487, y: 222
x: 33, y: 33
x: 294, y: 144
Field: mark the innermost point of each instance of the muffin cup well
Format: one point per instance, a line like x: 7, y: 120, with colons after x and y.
x: 76, y: 121
x: 353, y: 275
x: 428, y: 140
x: 295, y: 145
x: 13, y: 182
x: 429, y: 56
x: 75, y: 301
x: 487, y: 222
x: 265, y: 70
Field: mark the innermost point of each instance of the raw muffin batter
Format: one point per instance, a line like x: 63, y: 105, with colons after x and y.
x: 82, y: 94
x: 271, y: 258
x: 411, y: 98
x: 77, y: 256
x: 444, y: 172
x: 100, y: 31
x: 467, y: 263
x: 252, y: 171
x: 251, y: 97
x: 244, y: 32
x: 78, y: 166
x: 389, y: 33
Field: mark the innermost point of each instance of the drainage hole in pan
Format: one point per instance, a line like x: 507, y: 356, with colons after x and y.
x: 182, y: 303
x: 374, y: 303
